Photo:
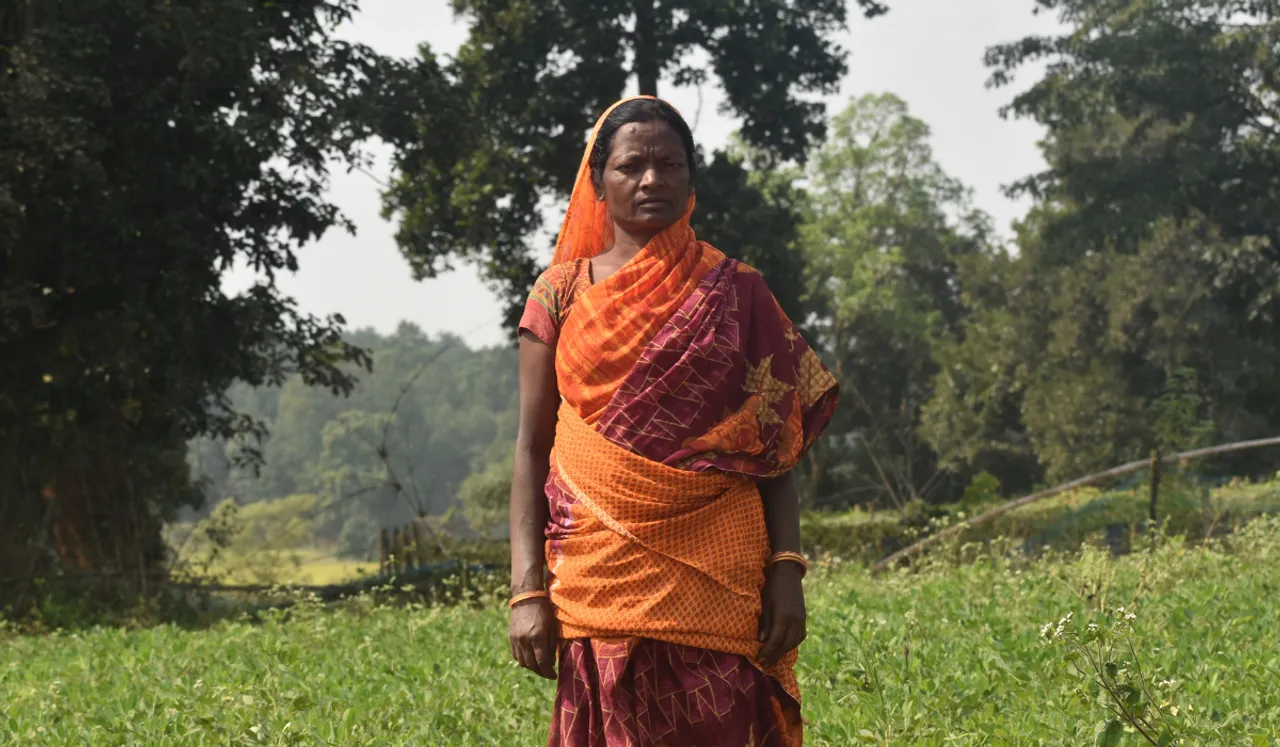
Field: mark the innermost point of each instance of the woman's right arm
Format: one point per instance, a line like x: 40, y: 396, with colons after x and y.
x: 533, y: 626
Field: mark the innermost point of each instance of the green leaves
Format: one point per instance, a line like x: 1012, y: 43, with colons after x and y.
x: 1155, y: 110
x: 1145, y: 283
x: 883, y: 235
x: 432, y: 413
x: 1109, y: 734
x: 487, y: 141
x: 148, y: 148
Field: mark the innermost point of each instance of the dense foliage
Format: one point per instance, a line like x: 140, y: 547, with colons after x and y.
x: 144, y: 149
x: 883, y: 232
x: 1150, y: 260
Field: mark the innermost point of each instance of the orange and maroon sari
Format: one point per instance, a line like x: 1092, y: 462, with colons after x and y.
x: 683, y: 383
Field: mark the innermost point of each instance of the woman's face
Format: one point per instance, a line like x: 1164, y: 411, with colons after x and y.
x: 646, y: 179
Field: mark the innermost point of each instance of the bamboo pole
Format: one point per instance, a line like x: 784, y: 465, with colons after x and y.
x: 397, y: 548
x: 419, y: 543
x: 384, y: 550
x: 1121, y: 471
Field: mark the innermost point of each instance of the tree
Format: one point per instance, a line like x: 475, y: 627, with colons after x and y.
x: 147, y: 147
x: 884, y: 231
x: 473, y: 177
x: 1155, y: 110
x: 1063, y: 366
x: 1149, y: 264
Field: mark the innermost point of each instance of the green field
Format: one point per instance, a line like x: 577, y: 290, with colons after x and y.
x: 952, y: 655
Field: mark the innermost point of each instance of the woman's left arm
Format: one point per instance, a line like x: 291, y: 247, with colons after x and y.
x: 782, y: 619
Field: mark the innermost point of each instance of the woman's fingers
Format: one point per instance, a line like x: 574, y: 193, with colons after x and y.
x: 523, y: 653
x: 772, y: 650
x: 544, y: 657
x: 787, y: 634
x: 766, y: 624
x: 794, y: 638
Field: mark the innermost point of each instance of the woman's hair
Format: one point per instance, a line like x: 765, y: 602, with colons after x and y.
x: 639, y: 110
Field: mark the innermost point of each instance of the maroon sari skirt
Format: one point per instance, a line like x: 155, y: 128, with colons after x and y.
x: 638, y: 692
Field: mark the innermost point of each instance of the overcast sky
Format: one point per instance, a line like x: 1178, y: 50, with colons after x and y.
x: 929, y: 52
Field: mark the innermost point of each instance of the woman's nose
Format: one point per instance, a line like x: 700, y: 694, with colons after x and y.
x: 652, y: 177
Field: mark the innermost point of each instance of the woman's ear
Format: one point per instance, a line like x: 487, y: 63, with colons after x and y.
x: 598, y: 186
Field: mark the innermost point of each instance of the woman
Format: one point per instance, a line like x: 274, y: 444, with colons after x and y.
x: 664, y: 397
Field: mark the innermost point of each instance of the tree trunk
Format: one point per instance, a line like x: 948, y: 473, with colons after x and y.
x: 646, y: 52
x: 1155, y: 484
x: 75, y: 514
x: 817, y: 474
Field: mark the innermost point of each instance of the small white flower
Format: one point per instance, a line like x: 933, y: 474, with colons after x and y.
x: 1044, y: 632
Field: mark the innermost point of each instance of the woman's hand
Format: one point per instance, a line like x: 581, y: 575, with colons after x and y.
x: 533, y: 636
x: 782, y: 620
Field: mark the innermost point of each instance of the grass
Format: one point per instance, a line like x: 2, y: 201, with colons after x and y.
x: 950, y: 656
x: 306, y: 565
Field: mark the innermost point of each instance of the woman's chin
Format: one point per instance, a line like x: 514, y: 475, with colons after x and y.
x: 651, y: 223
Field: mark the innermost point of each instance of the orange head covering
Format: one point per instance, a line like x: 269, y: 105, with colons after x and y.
x: 587, y: 229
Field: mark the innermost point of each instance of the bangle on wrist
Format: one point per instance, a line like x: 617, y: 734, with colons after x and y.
x: 793, y: 557
x: 526, y: 596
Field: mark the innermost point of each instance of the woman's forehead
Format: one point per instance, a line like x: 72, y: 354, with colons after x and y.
x: 646, y: 136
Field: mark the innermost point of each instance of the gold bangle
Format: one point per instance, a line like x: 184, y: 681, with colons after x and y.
x: 537, y: 594
x: 794, y: 557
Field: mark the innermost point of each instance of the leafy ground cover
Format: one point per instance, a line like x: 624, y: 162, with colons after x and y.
x: 973, y: 654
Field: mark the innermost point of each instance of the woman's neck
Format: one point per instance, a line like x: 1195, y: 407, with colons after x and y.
x: 627, y: 245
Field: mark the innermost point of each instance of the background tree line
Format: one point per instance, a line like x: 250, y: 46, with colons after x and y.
x: 430, y: 415
x: 146, y: 148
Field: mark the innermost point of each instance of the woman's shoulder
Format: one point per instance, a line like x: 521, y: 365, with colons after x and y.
x: 552, y: 296
x: 560, y: 284
x: 749, y: 277
x: 752, y: 284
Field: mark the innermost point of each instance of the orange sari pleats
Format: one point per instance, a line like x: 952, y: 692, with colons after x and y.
x: 656, y: 551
